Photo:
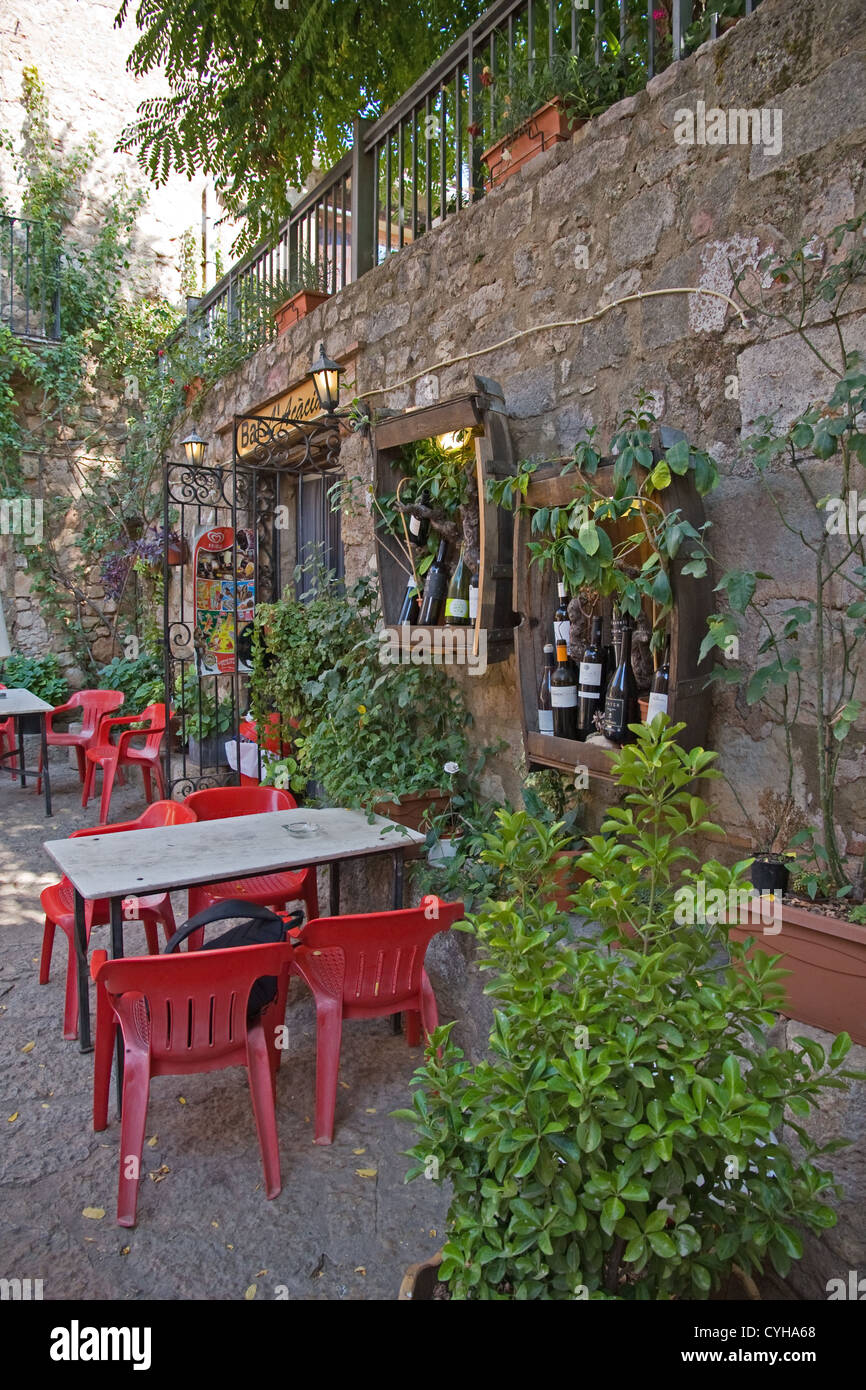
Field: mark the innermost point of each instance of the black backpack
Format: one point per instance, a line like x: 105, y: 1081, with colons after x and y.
x: 261, y: 928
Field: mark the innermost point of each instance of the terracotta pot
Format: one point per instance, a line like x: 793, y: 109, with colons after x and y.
x: 420, y: 1280
x: 827, y: 961
x: 549, y: 126
x: 412, y: 809
x: 568, y: 878
x: 177, y: 553
x: 297, y: 308
x: 193, y: 389
x: 643, y: 706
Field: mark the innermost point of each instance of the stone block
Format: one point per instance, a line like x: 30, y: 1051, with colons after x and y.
x: 636, y: 230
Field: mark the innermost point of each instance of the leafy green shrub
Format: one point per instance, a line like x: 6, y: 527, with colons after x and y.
x: 621, y: 1141
x: 41, y: 675
x: 141, y: 681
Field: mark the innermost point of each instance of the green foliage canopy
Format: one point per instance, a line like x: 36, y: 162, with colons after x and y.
x: 258, y: 92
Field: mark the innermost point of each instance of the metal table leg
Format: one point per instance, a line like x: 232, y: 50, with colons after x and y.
x: 46, y: 775
x: 84, y: 1040
x: 334, y: 868
x: 116, y: 907
x: 397, y: 897
x: 22, y: 770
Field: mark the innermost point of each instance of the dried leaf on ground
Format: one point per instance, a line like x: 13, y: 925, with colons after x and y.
x: 94, y: 1213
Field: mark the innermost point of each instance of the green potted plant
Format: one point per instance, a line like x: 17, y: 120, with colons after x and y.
x: 545, y: 106
x: 814, y: 699
x: 308, y: 287
x: 554, y: 799
x: 205, y: 719
x: 620, y: 1141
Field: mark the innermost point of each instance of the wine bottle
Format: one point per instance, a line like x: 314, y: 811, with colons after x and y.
x: 563, y: 695
x: 435, y: 586
x: 590, y: 691
x: 473, y: 598
x: 561, y: 624
x: 419, y: 526
x: 620, y: 706
x: 658, y: 700
x: 457, y: 597
x: 545, y: 706
x: 411, y: 605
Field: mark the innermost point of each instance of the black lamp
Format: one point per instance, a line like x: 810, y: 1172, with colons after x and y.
x: 326, y: 378
x: 194, y: 447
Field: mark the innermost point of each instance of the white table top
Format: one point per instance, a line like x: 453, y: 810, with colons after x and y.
x: 176, y: 856
x: 17, y: 700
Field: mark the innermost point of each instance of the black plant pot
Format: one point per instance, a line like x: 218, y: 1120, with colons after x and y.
x: 769, y: 876
x: 30, y: 724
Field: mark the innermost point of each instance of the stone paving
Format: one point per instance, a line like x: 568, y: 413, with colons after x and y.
x: 345, y: 1225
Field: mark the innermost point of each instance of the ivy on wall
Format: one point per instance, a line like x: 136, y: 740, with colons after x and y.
x: 101, y: 405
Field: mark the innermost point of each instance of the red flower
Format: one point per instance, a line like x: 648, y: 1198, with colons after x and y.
x: 474, y: 129
x: 486, y: 77
x: 161, y: 352
x: 171, y: 381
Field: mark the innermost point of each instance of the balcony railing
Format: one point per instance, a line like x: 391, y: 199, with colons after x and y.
x: 420, y: 162
x: 29, y: 279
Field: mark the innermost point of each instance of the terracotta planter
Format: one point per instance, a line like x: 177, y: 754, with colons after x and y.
x: 643, y: 706
x: 420, y: 1280
x: 549, y: 126
x: 413, y: 809
x: 193, y: 388
x: 297, y: 308
x: 827, y: 961
x: 568, y: 878
x: 177, y: 553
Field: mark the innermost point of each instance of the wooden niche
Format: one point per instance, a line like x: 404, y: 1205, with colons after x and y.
x: 482, y: 411
x: 535, y: 602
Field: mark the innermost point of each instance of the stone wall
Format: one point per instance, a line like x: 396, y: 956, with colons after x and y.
x: 81, y: 59
x: 641, y: 212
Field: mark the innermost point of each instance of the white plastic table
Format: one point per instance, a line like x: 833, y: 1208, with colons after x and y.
x: 174, y: 857
x: 14, y: 704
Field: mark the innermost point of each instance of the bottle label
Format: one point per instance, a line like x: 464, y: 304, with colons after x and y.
x: 457, y: 608
x: 590, y: 675
x: 658, y: 704
x: 414, y: 524
x: 561, y: 632
x: 545, y: 721
x: 560, y: 589
x: 614, y: 714
x: 563, y: 696
x: 473, y: 602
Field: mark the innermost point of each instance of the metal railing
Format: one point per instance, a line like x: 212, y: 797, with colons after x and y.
x: 421, y: 161
x: 317, y: 238
x: 29, y: 279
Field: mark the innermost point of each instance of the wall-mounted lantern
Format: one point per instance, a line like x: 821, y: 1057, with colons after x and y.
x: 326, y: 378
x: 194, y: 447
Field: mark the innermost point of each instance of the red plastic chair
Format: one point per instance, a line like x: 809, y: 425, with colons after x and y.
x: 269, y: 890
x: 367, y: 966
x: 94, y: 705
x: 7, y: 742
x: 182, y: 1014
x: 113, y: 756
x: 58, y: 904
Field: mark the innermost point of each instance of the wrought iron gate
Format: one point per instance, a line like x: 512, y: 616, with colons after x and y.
x: 244, y: 527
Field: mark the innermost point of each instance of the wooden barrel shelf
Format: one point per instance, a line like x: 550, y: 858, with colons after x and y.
x: 534, y: 603
x: 483, y: 411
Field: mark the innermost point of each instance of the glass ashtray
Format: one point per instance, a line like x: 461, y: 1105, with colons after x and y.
x: 301, y: 829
